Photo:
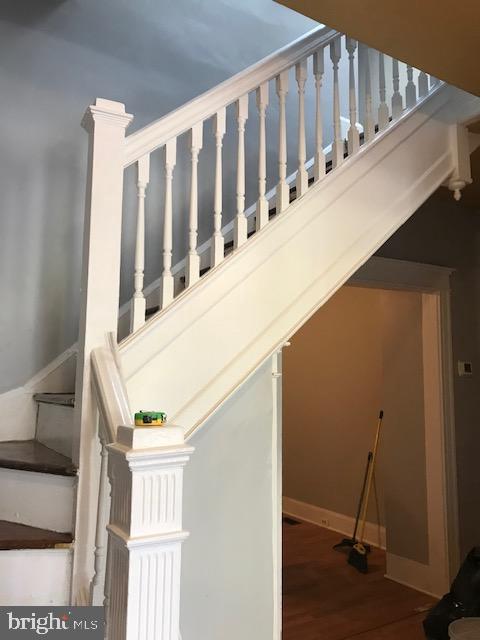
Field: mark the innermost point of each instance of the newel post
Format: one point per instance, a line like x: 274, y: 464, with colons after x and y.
x: 145, y: 533
x: 105, y: 122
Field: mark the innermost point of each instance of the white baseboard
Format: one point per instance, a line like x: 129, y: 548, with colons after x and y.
x: 374, y: 533
x: 412, y: 574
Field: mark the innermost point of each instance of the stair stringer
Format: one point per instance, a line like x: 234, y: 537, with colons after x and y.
x: 189, y: 358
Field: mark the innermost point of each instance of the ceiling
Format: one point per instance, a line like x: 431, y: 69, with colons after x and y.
x: 437, y: 36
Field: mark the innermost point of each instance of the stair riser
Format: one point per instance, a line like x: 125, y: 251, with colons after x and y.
x: 35, y: 577
x: 37, y: 499
x: 55, y: 427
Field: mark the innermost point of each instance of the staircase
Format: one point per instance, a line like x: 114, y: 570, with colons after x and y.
x: 383, y: 138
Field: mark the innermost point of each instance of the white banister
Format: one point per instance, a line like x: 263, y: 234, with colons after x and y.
x: 240, y: 229
x: 218, y: 243
x: 410, y: 89
x: 192, y: 270
x: 368, y: 124
x: 397, y: 100
x: 337, y: 146
x: 302, y: 175
x: 383, y: 113
x: 319, y: 158
x: 97, y: 586
x: 283, y: 190
x: 145, y: 533
x: 138, y: 308
x: 106, y: 122
x: 422, y: 84
x: 262, y: 202
x: 166, y: 287
x: 353, y: 133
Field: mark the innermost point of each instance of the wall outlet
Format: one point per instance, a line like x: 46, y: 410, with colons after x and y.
x: 465, y: 368
x: 325, y: 522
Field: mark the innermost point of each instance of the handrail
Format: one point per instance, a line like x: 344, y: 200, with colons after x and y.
x: 110, y: 391
x: 198, y: 109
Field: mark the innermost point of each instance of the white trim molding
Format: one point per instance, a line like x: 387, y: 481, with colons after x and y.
x: 411, y: 574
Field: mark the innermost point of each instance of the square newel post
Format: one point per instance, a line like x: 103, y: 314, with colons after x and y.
x: 145, y: 533
x: 105, y: 122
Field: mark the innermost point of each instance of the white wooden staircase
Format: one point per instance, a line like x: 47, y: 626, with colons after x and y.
x: 193, y: 335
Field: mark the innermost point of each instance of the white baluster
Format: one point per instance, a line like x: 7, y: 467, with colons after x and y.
x: 192, y: 267
x: 368, y: 125
x: 240, y: 225
x: 262, y: 202
x: 410, y: 89
x: 383, y: 114
x: 433, y: 82
x: 397, y: 100
x: 283, y: 191
x: 353, y: 133
x: 302, y: 175
x: 166, y: 287
x: 97, y: 586
x: 422, y: 84
x: 137, y: 311
x: 217, y: 250
x: 318, y: 70
x: 337, y: 147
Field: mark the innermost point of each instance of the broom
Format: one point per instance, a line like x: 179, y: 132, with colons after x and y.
x: 358, y: 554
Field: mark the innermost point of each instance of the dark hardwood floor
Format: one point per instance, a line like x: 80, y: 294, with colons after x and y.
x: 326, y: 599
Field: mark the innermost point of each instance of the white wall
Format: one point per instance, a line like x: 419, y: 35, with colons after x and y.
x: 55, y: 58
x: 227, y: 564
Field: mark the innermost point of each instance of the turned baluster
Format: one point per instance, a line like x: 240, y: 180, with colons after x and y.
x: 137, y: 311
x: 192, y: 267
x: 353, y: 133
x: 283, y: 192
x: 337, y: 146
x: 318, y: 70
x: 422, y: 84
x: 217, y: 249
x: 302, y: 175
x: 262, y: 202
x: 368, y: 124
x: 410, y: 89
x: 397, y: 100
x: 166, y: 284
x: 383, y: 114
x: 240, y: 225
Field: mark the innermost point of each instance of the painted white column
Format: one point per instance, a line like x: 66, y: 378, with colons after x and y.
x: 145, y: 533
x: 105, y: 122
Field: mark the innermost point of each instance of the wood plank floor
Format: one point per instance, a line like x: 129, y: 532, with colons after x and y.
x: 326, y: 599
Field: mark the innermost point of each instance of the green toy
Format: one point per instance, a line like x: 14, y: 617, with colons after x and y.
x: 150, y: 419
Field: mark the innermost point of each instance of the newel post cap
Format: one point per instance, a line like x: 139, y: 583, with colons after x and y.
x: 108, y: 111
x: 150, y: 438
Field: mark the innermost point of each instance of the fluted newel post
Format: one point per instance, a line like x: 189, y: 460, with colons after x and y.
x: 192, y: 268
x: 105, y: 122
x: 410, y: 89
x: 97, y: 587
x: 337, y: 146
x: 240, y: 231
x: 138, y: 308
x: 166, y: 284
x: 422, y: 84
x: 218, y: 243
x: 302, y: 175
x: 145, y: 533
x: 261, y: 217
x: 283, y: 191
x: 368, y: 124
x: 318, y: 71
x: 397, y: 100
x: 383, y: 113
x: 353, y: 133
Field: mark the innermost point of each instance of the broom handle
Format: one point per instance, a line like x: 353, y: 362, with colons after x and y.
x: 370, y: 477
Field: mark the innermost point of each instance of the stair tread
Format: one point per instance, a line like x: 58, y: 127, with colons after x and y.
x: 31, y: 455
x: 64, y: 399
x: 21, y: 536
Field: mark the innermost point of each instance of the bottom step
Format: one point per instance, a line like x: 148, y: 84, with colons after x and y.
x: 35, y: 577
x: 20, y: 536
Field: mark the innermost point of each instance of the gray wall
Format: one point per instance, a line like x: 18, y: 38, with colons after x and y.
x: 362, y: 351
x: 227, y: 565
x: 55, y: 58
